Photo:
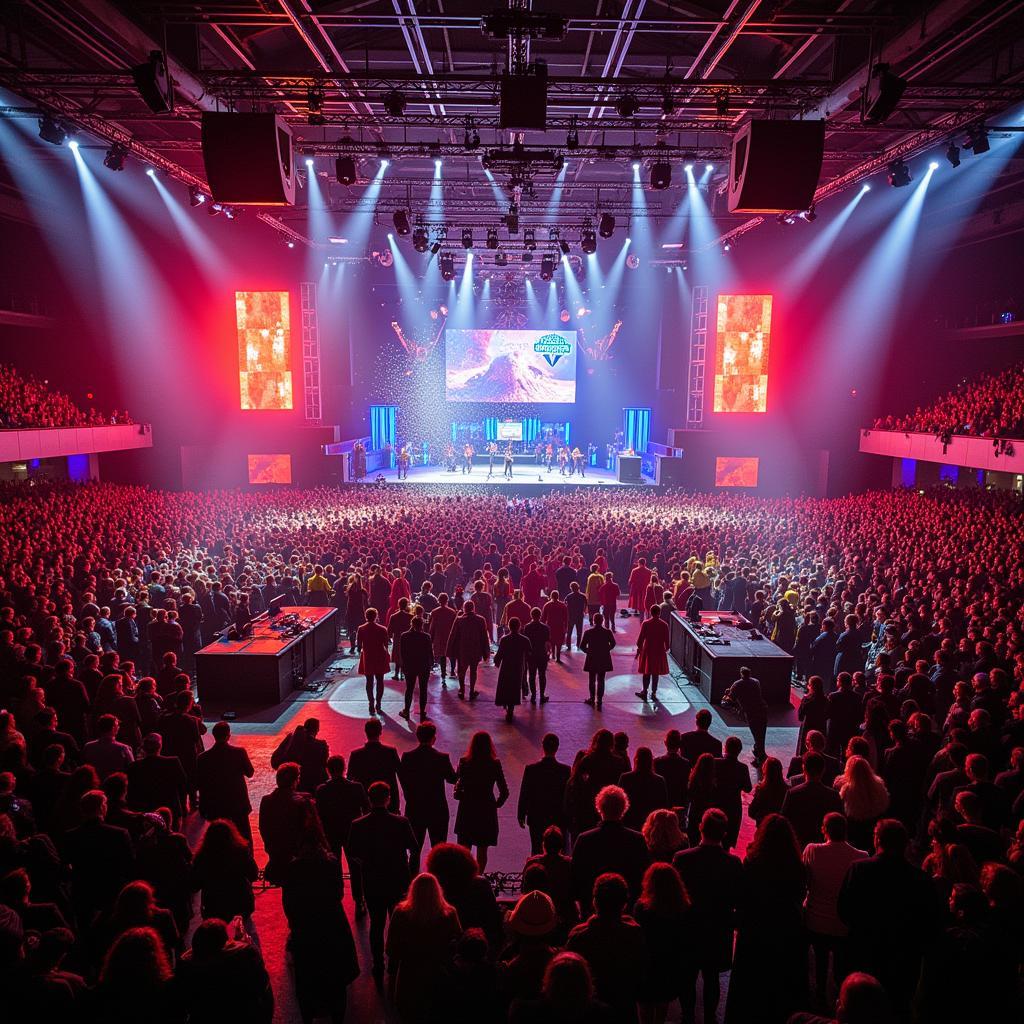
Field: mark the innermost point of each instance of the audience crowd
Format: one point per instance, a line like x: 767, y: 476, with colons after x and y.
x: 885, y: 879
x: 28, y: 402
x: 990, y: 406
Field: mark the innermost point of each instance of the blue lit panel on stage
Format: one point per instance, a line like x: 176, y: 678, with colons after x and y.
x: 510, y: 366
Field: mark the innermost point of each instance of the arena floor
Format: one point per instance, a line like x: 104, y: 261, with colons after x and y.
x: 339, y: 702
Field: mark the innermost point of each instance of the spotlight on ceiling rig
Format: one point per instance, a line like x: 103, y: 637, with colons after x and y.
x: 529, y: 239
x: 52, y: 131
x: 115, y: 157
x: 626, y: 105
x: 394, y: 103
x: 512, y: 220
x: 467, y: 238
x: 345, y: 170
x: 419, y: 238
x: 899, y: 174
x: 606, y: 226
x: 564, y: 246
x: 501, y: 259
x: 492, y: 238
x: 547, y: 268
x: 661, y: 175
x: 195, y: 197
x: 953, y: 153
x: 401, y: 222
x: 447, y: 264
x: 588, y: 239
x: 977, y: 139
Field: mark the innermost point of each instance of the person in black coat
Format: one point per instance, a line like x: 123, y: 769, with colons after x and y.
x: 157, y: 781
x: 304, y: 748
x: 375, y: 762
x: 478, y: 776
x: 823, y: 654
x: 844, y: 716
x: 812, y: 711
x: 674, y: 769
x: 126, y: 630
x: 892, y: 910
x: 385, y: 846
x: 99, y: 855
x: 468, y: 644
x: 576, y: 603
x: 609, y: 847
x: 745, y: 694
x: 597, y: 644
x: 732, y: 780
x: 714, y: 880
x: 221, y: 774
x: 542, y: 793
x: 424, y: 773
x: 539, y: 635
x: 283, y: 815
x: 339, y: 801
x: 699, y: 740
x: 806, y: 804
x: 416, y: 651
x: 182, y: 734
x: 512, y: 657
x: 645, y: 789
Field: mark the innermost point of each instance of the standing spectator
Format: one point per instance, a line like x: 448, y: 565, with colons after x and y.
x: 424, y: 772
x: 597, y: 644
x: 645, y: 789
x: 542, y: 793
x: 223, y: 871
x: 374, y: 658
x: 770, y: 793
x: 221, y: 774
x: 807, y: 803
x: 282, y: 818
x: 339, y: 801
x: 663, y: 913
x: 478, y: 776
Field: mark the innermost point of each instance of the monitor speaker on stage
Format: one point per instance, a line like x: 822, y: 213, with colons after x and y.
x: 775, y: 166
x: 249, y: 159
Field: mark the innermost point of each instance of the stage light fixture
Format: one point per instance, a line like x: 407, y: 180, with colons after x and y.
x: 934, y: 165
x: 401, y: 222
x: 467, y: 238
x: 786, y: 219
x: 661, y: 175
x: 953, y: 154
x: 564, y: 246
x: 722, y: 103
x: 471, y: 140
x: 606, y: 226
x: 529, y: 239
x: 315, y: 104
x: 632, y: 261
x: 501, y: 259
x: 668, y: 103
x: 151, y: 172
x: 688, y: 168
x: 572, y: 139
x: 547, y: 268
x: 447, y: 264
x: 899, y: 174
x: 345, y: 170
x: 810, y: 214
x: 115, y: 157
x: 52, y: 131
x: 195, y: 197
x: 626, y: 105
x: 435, y: 248
x: 394, y: 103
x: 214, y: 208
x: 977, y: 139
x: 511, y: 219
x: 290, y: 244
x: 588, y: 240
x: 709, y: 168
x: 492, y: 238
x: 527, y: 255
x: 636, y: 166
x: 419, y: 239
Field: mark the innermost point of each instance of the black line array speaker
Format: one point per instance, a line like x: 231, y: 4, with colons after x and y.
x: 775, y: 166
x: 524, y: 100
x: 249, y: 159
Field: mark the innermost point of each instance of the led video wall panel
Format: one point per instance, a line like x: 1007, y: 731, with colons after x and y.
x: 264, y: 350
x: 735, y: 471
x: 741, y: 353
x: 270, y: 469
x: 510, y: 366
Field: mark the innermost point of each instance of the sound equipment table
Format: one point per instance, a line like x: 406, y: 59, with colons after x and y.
x: 262, y: 668
x: 712, y: 652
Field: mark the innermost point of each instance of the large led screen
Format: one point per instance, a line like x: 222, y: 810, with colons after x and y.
x: 270, y: 469
x: 264, y: 350
x: 510, y: 366
x: 731, y: 471
x: 741, y: 353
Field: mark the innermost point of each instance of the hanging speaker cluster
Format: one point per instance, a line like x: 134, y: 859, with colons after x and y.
x: 249, y: 159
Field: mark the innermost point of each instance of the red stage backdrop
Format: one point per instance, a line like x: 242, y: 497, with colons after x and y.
x: 264, y: 350
x: 270, y: 469
x: 741, y: 353
x: 732, y: 471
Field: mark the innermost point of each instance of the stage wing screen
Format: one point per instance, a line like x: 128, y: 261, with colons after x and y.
x: 264, y: 350
x: 731, y: 471
x: 270, y: 469
x: 741, y: 353
x: 510, y: 366
x: 510, y: 430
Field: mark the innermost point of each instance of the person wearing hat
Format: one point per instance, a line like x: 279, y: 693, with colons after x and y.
x: 524, y: 960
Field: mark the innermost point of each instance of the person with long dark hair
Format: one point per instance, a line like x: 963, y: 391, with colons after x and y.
x: 769, y: 793
x: 478, y: 776
x: 223, y: 871
x: 597, y: 643
x: 135, y: 981
x: 702, y: 794
x: 663, y: 912
x: 769, y: 975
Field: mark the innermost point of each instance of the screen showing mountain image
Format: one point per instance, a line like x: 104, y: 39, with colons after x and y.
x: 510, y: 366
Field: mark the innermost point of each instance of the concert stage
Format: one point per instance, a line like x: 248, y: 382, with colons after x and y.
x: 523, y: 476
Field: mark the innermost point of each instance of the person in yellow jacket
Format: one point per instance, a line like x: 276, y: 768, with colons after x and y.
x: 594, y: 583
x: 318, y: 587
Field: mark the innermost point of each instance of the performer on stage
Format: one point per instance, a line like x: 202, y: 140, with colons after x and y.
x: 563, y: 461
x: 404, y: 459
x: 549, y: 456
x: 358, y: 460
x: 449, y: 458
x: 579, y: 463
x: 492, y: 450
x: 467, y: 459
x: 508, y: 462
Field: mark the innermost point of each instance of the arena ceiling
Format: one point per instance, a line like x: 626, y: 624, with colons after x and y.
x: 693, y: 72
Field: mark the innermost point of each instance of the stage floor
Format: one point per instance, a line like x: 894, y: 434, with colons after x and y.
x: 525, y: 475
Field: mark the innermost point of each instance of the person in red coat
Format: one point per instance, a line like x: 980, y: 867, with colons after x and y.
x: 555, y: 616
x: 533, y: 586
x: 442, y: 618
x: 400, y: 587
x: 639, y: 581
x: 652, y: 651
x: 608, y: 594
x: 374, y: 658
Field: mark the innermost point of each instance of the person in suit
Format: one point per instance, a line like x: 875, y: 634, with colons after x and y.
x: 731, y: 781
x: 542, y: 793
x: 478, y: 776
x: 221, y: 774
x: 284, y: 813
x: 806, y: 804
x: 513, y: 655
x: 99, y: 855
x: 339, y: 801
x: 374, y: 658
x: 674, y: 769
x: 417, y: 659
x: 714, y: 879
x: 893, y: 912
x: 844, y: 714
x: 190, y: 618
x: 699, y: 740
x: 157, y: 781
x: 823, y: 654
x: 126, y: 630
x: 652, y: 644
x: 468, y: 645
x: 576, y: 604
x: 182, y: 731
x: 375, y: 762
x: 539, y: 635
x: 442, y: 618
x: 308, y: 751
x: 609, y: 847
x: 385, y: 846
x: 745, y: 694
x: 645, y: 789
x: 424, y: 772
x: 597, y: 644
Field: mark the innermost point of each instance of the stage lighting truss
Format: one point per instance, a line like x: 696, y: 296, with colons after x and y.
x: 471, y: 139
x: 401, y: 222
x: 521, y: 162
x: 315, y: 103
x: 529, y: 239
x: 116, y: 157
